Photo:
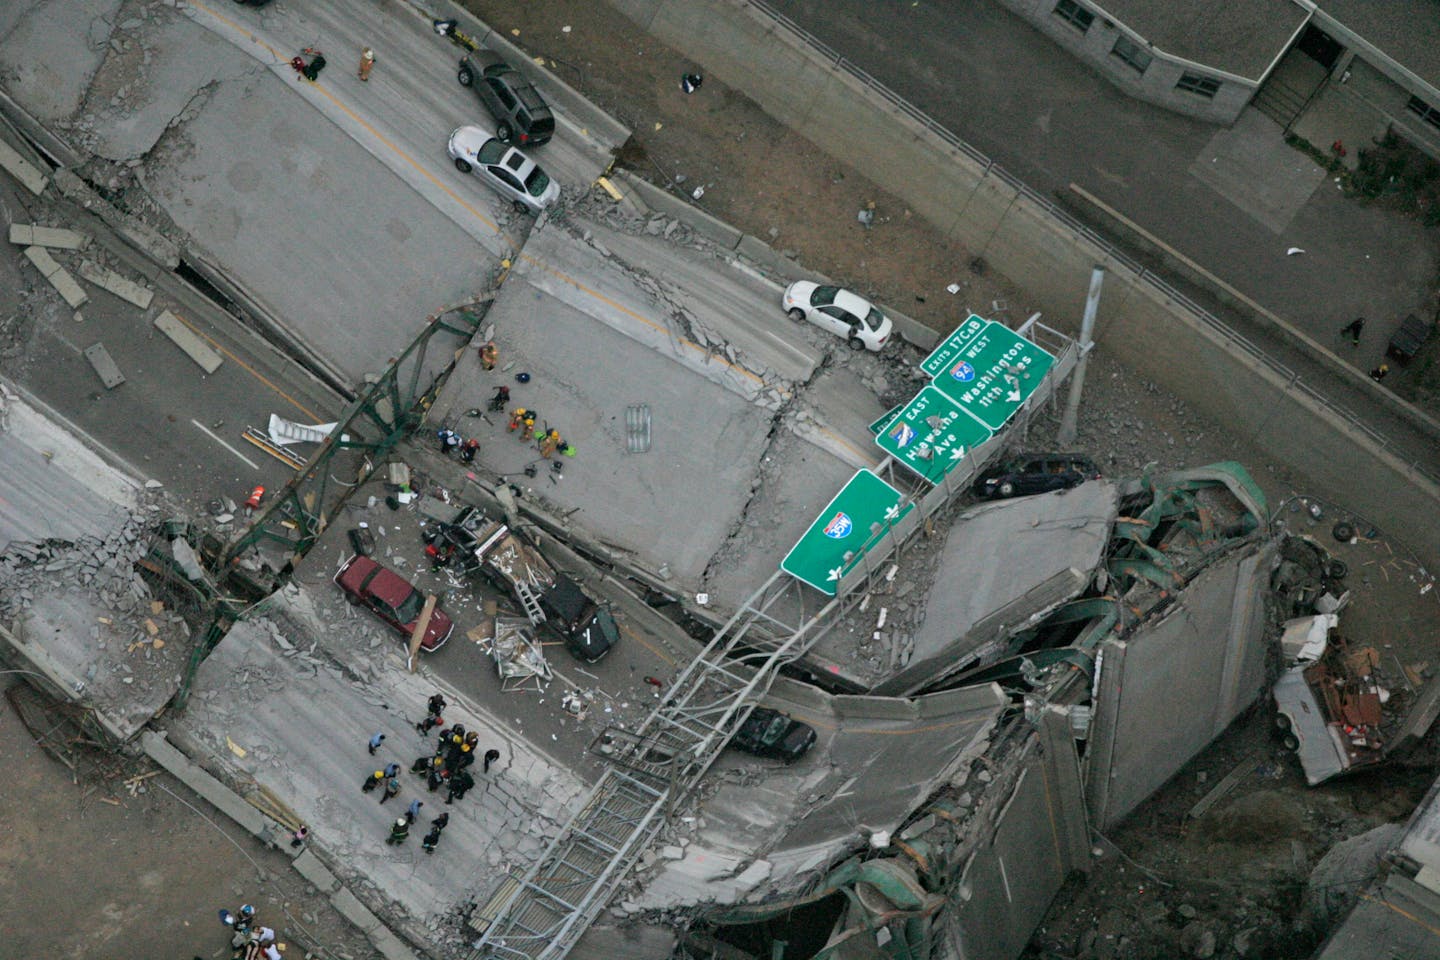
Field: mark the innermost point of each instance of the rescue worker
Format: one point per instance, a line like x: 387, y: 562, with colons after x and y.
x: 399, y: 830
x: 367, y: 63
x: 373, y: 781
x: 549, y: 443
x: 489, y: 355
x: 468, y: 450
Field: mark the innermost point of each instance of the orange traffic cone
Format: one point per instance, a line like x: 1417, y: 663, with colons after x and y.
x: 253, y: 503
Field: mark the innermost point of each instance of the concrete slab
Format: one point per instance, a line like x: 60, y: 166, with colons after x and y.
x: 51, y: 52
x: 705, y: 439
x: 189, y: 341
x: 875, y: 759
x: 127, y: 290
x: 22, y: 170
x: 277, y: 704
x: 1005, y: 564
x: 219, y: 796
x: 58, y: 276
x: 230, y: 200
x: 56, y: 238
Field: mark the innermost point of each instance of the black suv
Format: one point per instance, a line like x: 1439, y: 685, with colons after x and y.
x: 520, y: 113
x: 770, y: 733
x: 1035, y: 473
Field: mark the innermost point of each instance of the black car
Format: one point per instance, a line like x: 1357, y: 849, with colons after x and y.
x: 770, y: 733
x: 521, y: 114
x: 1035, y: 473
x: 588, y: 629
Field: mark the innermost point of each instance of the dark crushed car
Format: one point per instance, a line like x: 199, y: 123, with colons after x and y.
x: 521, y: 115
x: 1035, y: 473
x: 770, y: 733
x: 588, y: 629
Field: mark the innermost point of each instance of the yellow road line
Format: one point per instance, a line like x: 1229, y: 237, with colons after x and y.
x: 246, y: 367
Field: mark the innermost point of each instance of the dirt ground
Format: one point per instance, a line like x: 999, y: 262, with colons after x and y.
x: 1228, y: 884
x: 756, y: 174
x: 89, y: 869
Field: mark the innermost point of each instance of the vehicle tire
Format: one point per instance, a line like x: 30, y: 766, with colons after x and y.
x: 857, y: 344
x: 462, y: 166
x: 796, y: 313
x: 503, y: 133
x: 465, y: 77
x: 1006, y: 489
x: 1343, y: 532
x: 520, y: 208
x: 351, y: 599
x: 1337, y: 570
x: 1291, y: 742
x: 1282, y: 723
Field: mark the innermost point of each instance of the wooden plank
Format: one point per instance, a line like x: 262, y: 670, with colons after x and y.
x: 1242, y: 770
x: 189, y: 341
x: 418, y: 633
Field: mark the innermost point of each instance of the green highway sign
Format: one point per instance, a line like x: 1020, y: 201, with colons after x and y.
x: 841, y: 532
x: 931, y: 434
x: 988, y: 369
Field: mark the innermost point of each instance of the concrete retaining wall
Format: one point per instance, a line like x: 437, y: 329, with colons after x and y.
x: 1019, y: 235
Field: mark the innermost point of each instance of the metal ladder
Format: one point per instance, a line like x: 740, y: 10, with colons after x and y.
x: 529, y: 601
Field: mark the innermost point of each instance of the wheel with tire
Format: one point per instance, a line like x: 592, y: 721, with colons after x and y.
x: 504, y: 132
x: 797, y: 314
x: 1282, y: 723
x: 351, y: 599
x: 1337, y: 570
x: 1291, y: 742
x: 856, y: 343
x: 465, y: 77
x: 1343, y: 532
x: 1007, y: 489
x: 462, y: 166
x: 520, y: 208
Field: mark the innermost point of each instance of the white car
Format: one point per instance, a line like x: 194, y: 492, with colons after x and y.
x: 504, y: 169
x: 839, y: 311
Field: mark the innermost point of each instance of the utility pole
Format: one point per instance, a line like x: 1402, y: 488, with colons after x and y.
x: 1066, y: 435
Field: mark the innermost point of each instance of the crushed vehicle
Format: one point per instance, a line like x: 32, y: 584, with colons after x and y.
x: 773, y: 735
x: 393, y: 599
x: 509, y: 561
x: 1333, y: 699
x: 1035, y: 473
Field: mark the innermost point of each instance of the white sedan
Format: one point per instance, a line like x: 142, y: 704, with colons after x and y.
x: 839, y: 311
x: 504, y: 169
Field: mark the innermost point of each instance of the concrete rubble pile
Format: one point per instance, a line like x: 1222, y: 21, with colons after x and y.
x: 119, y: 646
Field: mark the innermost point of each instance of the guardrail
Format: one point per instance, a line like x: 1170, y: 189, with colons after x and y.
x: 1107, y: 249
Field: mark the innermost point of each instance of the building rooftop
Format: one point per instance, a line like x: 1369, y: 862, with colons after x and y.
x: 1407, y: 31
x: 1241, y: 37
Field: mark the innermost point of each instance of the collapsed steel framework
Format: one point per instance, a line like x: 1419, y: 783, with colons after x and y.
x: 540, y: 915
x: 390, y: 408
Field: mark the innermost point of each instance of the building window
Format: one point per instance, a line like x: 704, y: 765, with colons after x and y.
x: 1424, y: 111
x: 1132, y: 53
x: 1074, y: 14
x: 1199, y: 85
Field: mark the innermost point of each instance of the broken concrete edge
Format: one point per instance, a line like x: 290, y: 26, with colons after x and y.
x: 271, y: 325
x: 58, y: 682
x: 134, y: 293
x: 176, y: 757
x: 137, y: 234
x: 36, y: 137
x: 652, y: 199
x: 131, y: 473
x: 25, y: 172
x: 595, y: 122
